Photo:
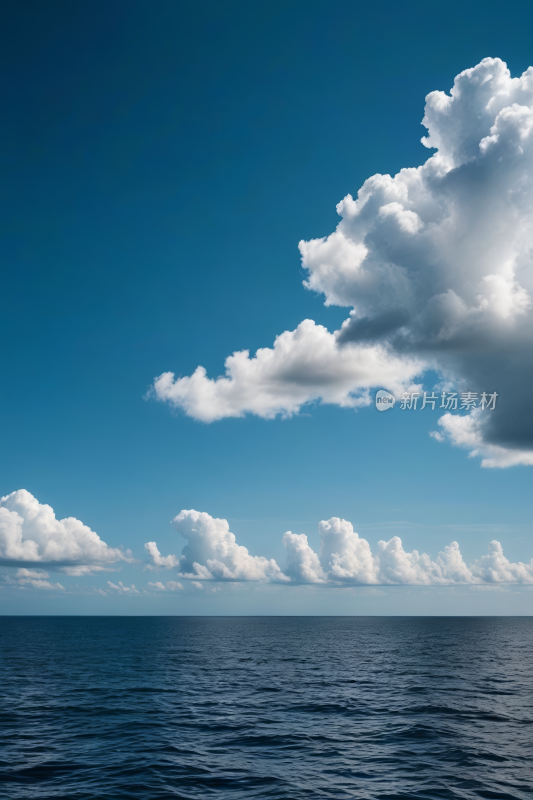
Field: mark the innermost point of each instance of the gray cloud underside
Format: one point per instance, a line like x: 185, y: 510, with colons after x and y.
x: 436, y: 265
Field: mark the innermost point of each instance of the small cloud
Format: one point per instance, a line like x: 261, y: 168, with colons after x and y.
x: 39, y: 574
x: 171, y: 586
x: 174, y: 586
x: 122, y: 589
x: 79, y: 570
x: 158, y: 586
x: 38, y: 584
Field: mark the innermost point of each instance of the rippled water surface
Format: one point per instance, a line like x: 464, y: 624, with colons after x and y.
x: 349, y: 707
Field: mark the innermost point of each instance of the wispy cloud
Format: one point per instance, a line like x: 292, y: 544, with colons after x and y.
x: 32, y: 578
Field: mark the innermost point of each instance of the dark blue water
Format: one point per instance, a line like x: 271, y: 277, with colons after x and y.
x: 266, y: 707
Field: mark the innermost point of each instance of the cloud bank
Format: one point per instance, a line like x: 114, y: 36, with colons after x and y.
x: 436, y: 265
x: 345, y: 558
x: 30, y: 533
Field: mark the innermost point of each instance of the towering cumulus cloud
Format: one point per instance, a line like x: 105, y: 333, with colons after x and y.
x: 436, y: 265
x: 30, y: 532
x: 212, y: 553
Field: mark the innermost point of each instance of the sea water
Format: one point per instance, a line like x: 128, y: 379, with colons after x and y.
x: 269, y: 707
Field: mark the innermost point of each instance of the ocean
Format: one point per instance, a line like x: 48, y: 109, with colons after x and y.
x: 266, y: 707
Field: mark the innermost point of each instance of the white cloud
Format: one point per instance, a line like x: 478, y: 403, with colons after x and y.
x: 304, y: 365
x: 496, y: 568
x: 344, y: 554
x: 467, y: 432
x: 31, y: 573
x: 344, y: 558
x: 122, y: 589
x: 79, y: 570
x: 303, y: 564
x: 212, y: 552
x: 170, y: 586
x: 166, y: 562
x: 41, y: 584
x: 436, y: 264
x: 36, y: 578
x: 30, y: 532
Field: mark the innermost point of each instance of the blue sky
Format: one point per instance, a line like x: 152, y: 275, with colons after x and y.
x: 160, y: 166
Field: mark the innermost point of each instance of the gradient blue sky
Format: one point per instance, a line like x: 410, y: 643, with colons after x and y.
x: 160, y: 163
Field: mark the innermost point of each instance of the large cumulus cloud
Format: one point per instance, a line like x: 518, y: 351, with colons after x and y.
x: 436, y: 265
x: 212, y: 553
x: 30, y: 533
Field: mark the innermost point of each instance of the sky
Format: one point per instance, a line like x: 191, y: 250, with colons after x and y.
x: 160, y: 166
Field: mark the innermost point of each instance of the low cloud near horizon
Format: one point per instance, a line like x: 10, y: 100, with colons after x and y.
x: 30, y: 533
x: 436, y: 265
x: 345, y: 558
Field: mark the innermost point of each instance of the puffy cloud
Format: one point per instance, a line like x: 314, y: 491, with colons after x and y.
x: 213, y: 553
x: 303, y: 564
x: 158, y: 586
x: 166, y: 562
x: 347, y: 558
x: 344, y: 554
x: 30, y: 532
x: 305, y: 364
x: 36, y: 578
x: 122, y: 589
x: 496, y: 568
x: 171, y: 586
x: 436, y: 265
x: 31, y: 573
x: 344, y: 558
x: 468, y: 432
